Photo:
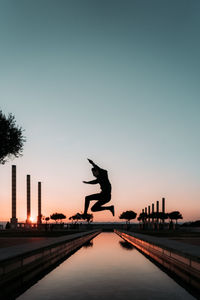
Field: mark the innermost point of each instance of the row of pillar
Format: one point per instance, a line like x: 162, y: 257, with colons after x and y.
x: 157, y: 207
x: 14, y: 220
x: 148, y: 210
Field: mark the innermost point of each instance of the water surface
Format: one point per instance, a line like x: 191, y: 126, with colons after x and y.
x: 110, y: 269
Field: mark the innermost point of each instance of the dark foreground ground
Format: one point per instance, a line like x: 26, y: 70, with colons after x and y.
x: 13, y: 238
x: 188, y: 240
x: 13, y: 241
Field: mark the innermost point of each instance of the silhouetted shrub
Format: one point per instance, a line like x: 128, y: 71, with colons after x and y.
x: 57, y: 216
x: 128, y: 215
x: 175, y: 215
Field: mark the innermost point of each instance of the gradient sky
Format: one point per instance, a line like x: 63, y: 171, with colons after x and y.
x: 115, y: 81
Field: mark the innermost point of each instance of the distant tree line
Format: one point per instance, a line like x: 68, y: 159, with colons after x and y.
x: 126, y: 215
x: 75, y: 218
x: 154, y: 220
x: 174, y: 215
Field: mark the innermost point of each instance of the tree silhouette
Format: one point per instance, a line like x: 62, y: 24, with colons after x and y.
x: 152, y: 216
x: 89, y: 218
x: 175, y: 215
x: 78, y: 216
x: 126, y: 245
x: 128, y: 215
x: 162, y: 216
x: 157, y: 215
x: 88, y: 244
x: 142, y: 217
x: 47, y: 219
x: 75, y: 217
x: 11, y: 138
x: 57, y: 216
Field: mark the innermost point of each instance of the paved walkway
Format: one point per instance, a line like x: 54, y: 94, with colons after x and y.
x: 183, y: 247
x: 188, y: 240
x: 13, y: 241
x: 32, y: 244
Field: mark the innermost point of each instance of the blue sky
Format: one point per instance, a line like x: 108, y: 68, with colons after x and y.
x: 115, y: 81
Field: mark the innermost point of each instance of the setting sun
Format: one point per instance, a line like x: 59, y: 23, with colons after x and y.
x: 32, y: 219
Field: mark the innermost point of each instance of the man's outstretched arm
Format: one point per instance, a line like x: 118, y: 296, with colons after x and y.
x: 91, y: 182
x: 93, y: 164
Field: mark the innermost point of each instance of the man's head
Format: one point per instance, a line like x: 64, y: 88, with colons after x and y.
x: 95, y: 172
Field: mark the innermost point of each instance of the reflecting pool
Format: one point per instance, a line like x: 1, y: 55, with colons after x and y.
x: 106, y: 268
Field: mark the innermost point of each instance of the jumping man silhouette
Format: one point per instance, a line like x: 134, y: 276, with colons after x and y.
x: 104, y: 196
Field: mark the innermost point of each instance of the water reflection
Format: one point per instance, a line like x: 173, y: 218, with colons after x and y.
x: 88, y: 244
x: 126, y: 245
x: 106, y: 271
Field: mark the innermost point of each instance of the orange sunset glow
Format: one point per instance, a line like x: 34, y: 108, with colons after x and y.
x: 69, y: 199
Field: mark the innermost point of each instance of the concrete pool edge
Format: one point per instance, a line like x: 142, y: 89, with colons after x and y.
x: 172, y: 256
x: 19, y: 267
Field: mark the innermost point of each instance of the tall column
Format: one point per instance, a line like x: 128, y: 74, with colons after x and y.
x: 163, y: 205
x: 157, y: 206
x: 39, y: 204
x: 13, y: 220
x: 157, y: 210
x: 149, y: 210
x: 28, y: 193
x: 152, y: 208
x: 152, y: 215
x: 145, y: 222
x: 163, y: 208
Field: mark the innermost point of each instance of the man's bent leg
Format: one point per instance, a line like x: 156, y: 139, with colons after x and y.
x: 88, y: 199
x: 98, y: 207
